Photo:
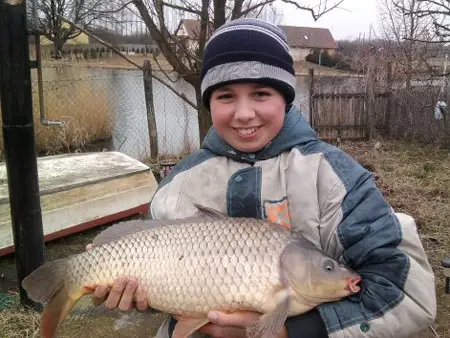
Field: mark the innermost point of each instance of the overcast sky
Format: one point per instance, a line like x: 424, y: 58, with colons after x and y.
x: 354, y: 19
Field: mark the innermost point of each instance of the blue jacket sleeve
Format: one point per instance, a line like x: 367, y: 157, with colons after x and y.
x: 397, y: 297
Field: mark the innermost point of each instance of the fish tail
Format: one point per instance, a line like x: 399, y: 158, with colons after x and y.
x: 56, y: 311
x: 46, y: 285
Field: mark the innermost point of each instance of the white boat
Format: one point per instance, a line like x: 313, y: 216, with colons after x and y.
x: 82, y: 191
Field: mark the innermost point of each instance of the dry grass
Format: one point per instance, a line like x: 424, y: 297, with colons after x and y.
x: 26, y: 324
x: 19, y: 324
x: 302, y: 67
x: 84, y: 110
x: 414, y: 178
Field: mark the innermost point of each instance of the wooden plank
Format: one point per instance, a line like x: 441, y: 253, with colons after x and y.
x: 333, y: 95
x: 363, y: 118
x: 345, y: 115
x: 341, y: 101
x: 343, y: 127
x: 351, y: 113
x: 323, y: 95
x: 334, y: 105
x: 360, y: 113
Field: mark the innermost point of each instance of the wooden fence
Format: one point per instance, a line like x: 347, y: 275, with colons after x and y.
x: 347, y: 116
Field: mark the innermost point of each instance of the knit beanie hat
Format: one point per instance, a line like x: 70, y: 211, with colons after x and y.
x: 245, y: 50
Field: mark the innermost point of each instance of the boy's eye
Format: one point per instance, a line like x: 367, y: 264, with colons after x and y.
x: 224, y: 96
x: 262, y: 93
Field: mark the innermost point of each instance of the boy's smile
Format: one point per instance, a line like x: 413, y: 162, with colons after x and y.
x: 247, y: 115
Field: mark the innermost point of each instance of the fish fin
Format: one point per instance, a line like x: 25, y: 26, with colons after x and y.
x: 123, y: 229
x: 209, y: 212
x: 45, y: 281
x: 163, y: 331
x: 185, y: 327
x: 57, y: 310
x: 46, y: 286
x: 269, y: 325
x: 126, y: 228
x: 84, y: 310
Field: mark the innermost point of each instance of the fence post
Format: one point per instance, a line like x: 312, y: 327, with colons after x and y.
x: 389, y: 98
x: 19, y: 143
x: 370, y: 98
x: 151, y: 118
x: 311, y: 93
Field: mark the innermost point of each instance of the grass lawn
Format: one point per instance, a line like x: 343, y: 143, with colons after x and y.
x: 414, y: 178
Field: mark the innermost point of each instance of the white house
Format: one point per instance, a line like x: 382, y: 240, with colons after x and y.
x: 301, y: 40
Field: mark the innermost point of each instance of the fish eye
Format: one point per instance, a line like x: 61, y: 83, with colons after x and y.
x: 328, y: 265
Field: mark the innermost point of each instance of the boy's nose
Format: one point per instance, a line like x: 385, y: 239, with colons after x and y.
x: 244, y: 111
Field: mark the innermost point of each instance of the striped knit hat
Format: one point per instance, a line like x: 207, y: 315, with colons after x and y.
x: 248, y: 50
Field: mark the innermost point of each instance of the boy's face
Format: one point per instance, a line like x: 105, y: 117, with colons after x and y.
x: 247, y: 115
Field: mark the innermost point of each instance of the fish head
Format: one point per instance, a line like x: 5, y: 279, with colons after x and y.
x: 315, y: 275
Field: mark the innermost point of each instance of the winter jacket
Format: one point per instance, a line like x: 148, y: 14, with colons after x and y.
x: 315, y: 188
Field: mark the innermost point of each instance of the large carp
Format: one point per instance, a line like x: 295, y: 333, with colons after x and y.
x: 189, y: 267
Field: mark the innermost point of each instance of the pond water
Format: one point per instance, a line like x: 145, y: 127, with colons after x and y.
x: 177, y: 125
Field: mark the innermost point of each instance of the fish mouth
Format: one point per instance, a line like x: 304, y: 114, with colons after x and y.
x: 352, y: 284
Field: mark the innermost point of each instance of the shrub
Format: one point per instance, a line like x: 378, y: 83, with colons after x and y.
x: 325, y: 59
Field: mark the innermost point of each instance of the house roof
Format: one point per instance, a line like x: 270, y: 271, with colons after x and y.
x: 191, y: 28
x: 297, y: 37
x: 309, y: 37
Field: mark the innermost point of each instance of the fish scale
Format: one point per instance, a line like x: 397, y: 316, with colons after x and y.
x: 189, y: 267
x: 200, y: 255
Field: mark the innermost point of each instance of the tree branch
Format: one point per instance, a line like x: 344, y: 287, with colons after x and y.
x: 315, y: 15
x: 160, y: 37
x: 250, y: 9
x: 236, y: 9
x: 182, y: 8
x: 118, y: 52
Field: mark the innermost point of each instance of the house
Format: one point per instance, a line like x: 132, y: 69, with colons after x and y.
x: 304, y: 40
x: 301, y: 40
x: 188, y: 32
x: 81, y: 39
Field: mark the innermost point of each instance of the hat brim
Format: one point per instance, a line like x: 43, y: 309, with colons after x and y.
x: 283, y: 88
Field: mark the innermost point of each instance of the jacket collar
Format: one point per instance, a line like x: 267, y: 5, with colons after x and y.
x: 296, y: 131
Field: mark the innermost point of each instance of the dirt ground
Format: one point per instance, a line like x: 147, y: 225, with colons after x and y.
x: 414, y: 178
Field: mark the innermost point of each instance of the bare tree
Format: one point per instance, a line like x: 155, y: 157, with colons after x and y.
x: 406, y: 35
x: 438, y: 12
x: 161, y: 16
x: 81, y: 12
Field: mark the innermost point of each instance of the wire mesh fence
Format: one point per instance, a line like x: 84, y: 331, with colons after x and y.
x: 106, y: 106
x: 102, y: 101
x: 109, y: 105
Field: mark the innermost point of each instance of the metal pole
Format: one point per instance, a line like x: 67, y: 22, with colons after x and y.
x: 19, y: 141
x: 311, y: 98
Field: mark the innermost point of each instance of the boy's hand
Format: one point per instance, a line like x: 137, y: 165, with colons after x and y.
x: 123, y: 294
x: 231, y: 325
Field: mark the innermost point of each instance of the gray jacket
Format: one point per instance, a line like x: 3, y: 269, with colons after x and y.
x: 312, y: 187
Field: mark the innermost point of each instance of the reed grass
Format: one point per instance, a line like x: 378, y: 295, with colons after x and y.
x: 83, y: 107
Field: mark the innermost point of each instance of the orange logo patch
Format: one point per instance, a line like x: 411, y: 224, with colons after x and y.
x: 278, y: 212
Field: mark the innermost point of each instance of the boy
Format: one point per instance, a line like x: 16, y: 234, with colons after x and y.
x: 261, y: 159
